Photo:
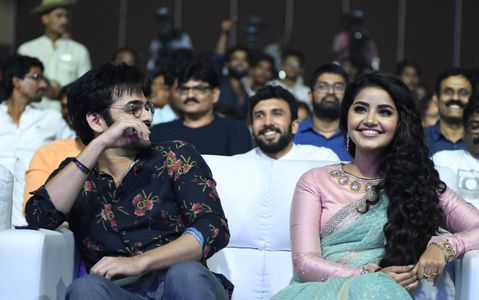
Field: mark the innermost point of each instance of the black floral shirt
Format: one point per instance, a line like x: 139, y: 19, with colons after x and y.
x: 168, y: 190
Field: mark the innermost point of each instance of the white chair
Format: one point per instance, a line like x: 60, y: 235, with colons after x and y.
x: 6, y: 189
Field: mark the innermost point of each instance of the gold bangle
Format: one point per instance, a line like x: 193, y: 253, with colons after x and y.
x: 446, y: 246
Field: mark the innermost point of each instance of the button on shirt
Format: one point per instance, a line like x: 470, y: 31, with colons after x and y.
x: 438, y: 142
x: 308, y: 136
x: 19, y: 142
x: 167, y: 192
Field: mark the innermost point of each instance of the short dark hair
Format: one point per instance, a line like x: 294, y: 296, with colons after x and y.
x: 97, y: 89
x: 471, y: 107
x: 446, y: 73
x: 257, y: 58
x: 168, y: 73
x: 327, y: 68
x: 293, y: 52
x: 125, y: 49
x: 18, y: 66
x: 201, y: 70
x: 407, y: 63
x: 232, y: 50
x: 277, y: 92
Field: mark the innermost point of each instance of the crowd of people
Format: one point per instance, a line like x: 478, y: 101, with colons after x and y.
x: 115, y: 154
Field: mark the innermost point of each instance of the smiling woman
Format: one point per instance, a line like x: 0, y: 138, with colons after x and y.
x: 369, y: 229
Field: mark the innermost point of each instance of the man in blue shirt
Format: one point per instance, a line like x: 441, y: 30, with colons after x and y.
x: 454, y: 87
x: 327, y: 85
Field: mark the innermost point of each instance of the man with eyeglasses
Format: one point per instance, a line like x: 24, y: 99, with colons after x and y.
x: 454, y: 87
x: 327, y: 86
x: 24, y: 127
x: 291, y: 74
x: 465, y: 162
x: 64, y: 59
x: 198, y: 91
x: 145, y: 216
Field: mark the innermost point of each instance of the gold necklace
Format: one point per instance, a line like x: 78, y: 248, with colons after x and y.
x: 355, y: 184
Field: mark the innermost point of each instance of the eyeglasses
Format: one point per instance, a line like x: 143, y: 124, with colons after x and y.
x: 36, y: 76
x: 198, y: 90
x: 136, y: 108
x: 325, y: 86
x: 473, y: 126
x: 459, y: 92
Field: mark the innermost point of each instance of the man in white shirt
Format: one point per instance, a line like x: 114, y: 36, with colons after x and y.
x: 24, y: 127
x: 274, y: 120
x: 64, y: 59
x: 465, y: 163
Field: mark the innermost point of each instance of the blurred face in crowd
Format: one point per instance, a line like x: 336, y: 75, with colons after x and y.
x: 160, y: 92
x: 56, y: 21
x: 196, y: 98
x: 292, y: 67
x: 327, y: 95
x: 32, y: 86
x: 238, y: 64
x: 410, y: 77
x: 262, y: 72
x: 454, y: 94
x: 471, y: 135
x: 273, y: 129
x: 431, y: 115
x: 125, y: 57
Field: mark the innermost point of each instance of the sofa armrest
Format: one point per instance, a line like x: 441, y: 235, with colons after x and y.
x: 467, y: 276
x: 36, y: 264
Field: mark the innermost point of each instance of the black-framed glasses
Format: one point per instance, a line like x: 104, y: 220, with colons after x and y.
x: 36, y: 76
x: 472, y: 126
x: 197, y: 90
x: 136, y: 108
x: 324, y: 87
x: 460, y: 92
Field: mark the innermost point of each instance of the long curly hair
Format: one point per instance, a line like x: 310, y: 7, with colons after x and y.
x: 409, y: 180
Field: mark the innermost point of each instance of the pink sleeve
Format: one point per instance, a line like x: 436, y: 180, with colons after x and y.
x: 305, y: 227
x: 462, y: 219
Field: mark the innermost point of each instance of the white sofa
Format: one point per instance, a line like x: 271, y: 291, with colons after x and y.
x: 256, y: 197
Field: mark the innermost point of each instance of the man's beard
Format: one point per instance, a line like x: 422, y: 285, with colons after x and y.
x: 135, y: 146
x: 326, y: 109
x: 283, y: 141
x: 232, y: 72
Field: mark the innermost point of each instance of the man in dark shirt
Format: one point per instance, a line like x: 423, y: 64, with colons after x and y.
x: 327, y: 85
x: 210, y: 134
x: 454, y: 87
x: 145, y: 215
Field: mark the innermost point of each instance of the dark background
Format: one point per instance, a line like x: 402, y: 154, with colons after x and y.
x: 429, y: 29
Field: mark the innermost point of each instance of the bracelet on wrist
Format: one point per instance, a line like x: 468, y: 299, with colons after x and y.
x: 448, y: 249
x: 81, y: 166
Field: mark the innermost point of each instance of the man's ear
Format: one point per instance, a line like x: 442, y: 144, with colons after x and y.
x: 216, y: 94
x: 96, y: 122
x: 310, y: 97
x: 44, y: 19
x: 294, y: 126
x: 15, y: 81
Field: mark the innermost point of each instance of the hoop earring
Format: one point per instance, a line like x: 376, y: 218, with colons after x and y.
x: 347, y: 142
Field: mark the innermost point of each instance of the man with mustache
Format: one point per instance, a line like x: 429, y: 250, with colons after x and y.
x: 198, y: 91
x: 24, y: 127
x: 64, y: 59
x: 274, y: 120
x: 327, y: 86
x: 145, y: 216
x: 466, y: 162
x: 454, y: 87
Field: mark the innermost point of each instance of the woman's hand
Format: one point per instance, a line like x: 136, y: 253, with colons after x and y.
x: 404, y: 275
x: 432, y: 263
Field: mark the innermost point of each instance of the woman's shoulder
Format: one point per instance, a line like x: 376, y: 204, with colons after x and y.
x: 322, y: 172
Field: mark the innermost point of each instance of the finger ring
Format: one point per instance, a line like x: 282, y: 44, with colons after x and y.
x: 429, y: 276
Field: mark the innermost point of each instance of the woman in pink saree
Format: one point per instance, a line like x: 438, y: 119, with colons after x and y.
x: 369, y: 229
